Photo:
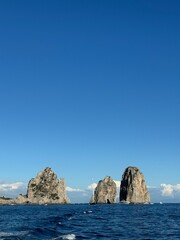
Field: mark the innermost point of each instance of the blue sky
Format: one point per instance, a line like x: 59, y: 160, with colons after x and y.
x: 89, y: 88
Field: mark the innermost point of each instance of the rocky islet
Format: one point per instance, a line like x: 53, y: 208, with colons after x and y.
x: 46, y: 188
x: 105, y: 192
x: 133, y: 188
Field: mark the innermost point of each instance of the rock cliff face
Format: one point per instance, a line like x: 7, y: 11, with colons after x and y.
x: 46, y: 188
x: 133, y: 188
x: 105, y: 192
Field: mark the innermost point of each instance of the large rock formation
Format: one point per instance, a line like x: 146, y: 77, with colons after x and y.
x: 45, y: 188
x: 105, y: 192
x: 133, y: 188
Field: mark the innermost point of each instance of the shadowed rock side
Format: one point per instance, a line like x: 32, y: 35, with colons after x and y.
x: 45, y: 188
x: 133, y: 188
x: 105, y: 192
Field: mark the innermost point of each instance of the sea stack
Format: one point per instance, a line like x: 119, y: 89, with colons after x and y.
x: 133, y: 188
x: 45, y: 188
x: 105, y: 192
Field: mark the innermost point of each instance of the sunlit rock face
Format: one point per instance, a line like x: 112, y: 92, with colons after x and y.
x: 133, y: 188
x: 105, y: 192
x: 46, y: 188
x: 6, y: 201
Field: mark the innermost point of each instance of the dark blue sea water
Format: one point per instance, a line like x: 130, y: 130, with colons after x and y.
x: 85, y: 221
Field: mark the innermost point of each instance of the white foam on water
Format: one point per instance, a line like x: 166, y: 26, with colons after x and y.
x: 66, y: 237
x: 10, y: 234
x: 69, y: 237
x: 87, y: 212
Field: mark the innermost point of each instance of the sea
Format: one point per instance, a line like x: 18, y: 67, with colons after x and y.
x: 84, y: 221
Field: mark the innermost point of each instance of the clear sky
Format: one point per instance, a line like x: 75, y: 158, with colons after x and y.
x: 89, y: 88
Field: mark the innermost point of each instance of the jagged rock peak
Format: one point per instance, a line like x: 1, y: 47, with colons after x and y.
x: 105, y: 192
x: 133, y: 188
x: 46, y: 188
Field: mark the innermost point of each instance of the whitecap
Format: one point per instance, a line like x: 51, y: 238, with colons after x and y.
x: 69, y: 237
x: 87, y: 212
x: 66, y: 237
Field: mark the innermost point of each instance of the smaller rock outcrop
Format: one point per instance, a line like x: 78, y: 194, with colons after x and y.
x: 6, y: 201
x: 133, y: 188
x: 22, y: 199
x: 105, y: 192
